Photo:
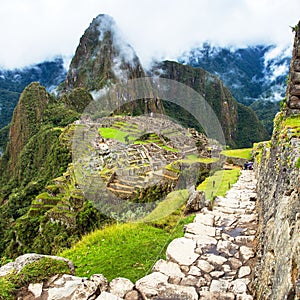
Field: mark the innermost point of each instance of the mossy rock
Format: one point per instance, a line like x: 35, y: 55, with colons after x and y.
x: 40, y: 270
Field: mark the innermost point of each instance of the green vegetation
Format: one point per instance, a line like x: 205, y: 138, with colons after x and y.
x: 192, y: 158
x: 3, y: 137
x: 113, y: 133
x: 39, y: 271
x: 78, y: 99
x: 124, y: 250
x: 171, y: 203
x: 239, y: 153
x: 219, y: 183
x: 298, y: 163
x: 258, y: 149
x: 35, y: 155
x: 249, y: 129
x: 7, y: 289
x: 266, y: 111
x: 240, y: 123
x: 292, y: 121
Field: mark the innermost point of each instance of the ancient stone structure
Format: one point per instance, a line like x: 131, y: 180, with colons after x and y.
x: 278, y: 199
x: 293, y: 90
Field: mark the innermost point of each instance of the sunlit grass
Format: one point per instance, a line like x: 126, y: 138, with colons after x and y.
x: 219, y: 183
x: 292, y: 121
x: 172, y: 202
x: 193, y: 158
x: 113, y: 133
x: 125, y: 250
x: 239, y: 153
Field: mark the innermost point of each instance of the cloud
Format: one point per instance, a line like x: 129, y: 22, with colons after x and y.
x: 34, y: 30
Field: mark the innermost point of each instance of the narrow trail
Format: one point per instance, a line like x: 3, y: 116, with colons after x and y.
x: 214, y: 259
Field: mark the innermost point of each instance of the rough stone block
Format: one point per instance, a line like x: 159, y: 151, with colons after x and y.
x: 181, y: 250
x: 120, y: 286
x: 295, y: 90
x: 295, y: 76
x: 297, y: 65
x: 168, y: 268
x: 293, y: 102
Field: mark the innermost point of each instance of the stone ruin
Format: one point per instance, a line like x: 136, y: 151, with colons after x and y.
x: 293, y: 89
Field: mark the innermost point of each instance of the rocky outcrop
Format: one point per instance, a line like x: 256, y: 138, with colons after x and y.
x: 196, y: 200
x: 29, y: 258
x: 101, y: 56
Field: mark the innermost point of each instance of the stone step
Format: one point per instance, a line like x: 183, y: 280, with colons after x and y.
x: 117, y: 186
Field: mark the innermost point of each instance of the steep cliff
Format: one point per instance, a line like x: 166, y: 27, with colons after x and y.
x: 240, y: 124
x: 27, y: 119
x: 278, y: 171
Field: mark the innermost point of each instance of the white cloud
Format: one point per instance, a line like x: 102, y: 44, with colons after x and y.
x: 34, y: 30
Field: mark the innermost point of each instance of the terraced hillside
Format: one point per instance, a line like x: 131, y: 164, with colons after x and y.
x: 140, y: 159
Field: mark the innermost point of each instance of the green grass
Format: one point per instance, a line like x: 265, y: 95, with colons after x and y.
x: 170, y: 149
x: 192, y: 158
x: 219, y: 183
x: 298, y: 163
x: 171, y: 203
x: 173, y: 167
x: 292, y: 121
x: 123, y: 250
x: 239, y: 153
x: 113, y: 133
x: 6, y: 289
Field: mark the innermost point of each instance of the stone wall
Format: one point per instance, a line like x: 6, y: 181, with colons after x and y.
x: 278, y: 199
x: 293, y: 90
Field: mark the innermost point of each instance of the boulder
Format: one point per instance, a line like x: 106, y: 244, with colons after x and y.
x: 101, y: 281
x: 63, y: 287
x: 107, y: 296
x: 200, y: 229
x: 36, y: 289
x: 148, y: 285
x: 196, y: 201
x: 168, y: 268
x: 181, y: 250
x: 120, y: 286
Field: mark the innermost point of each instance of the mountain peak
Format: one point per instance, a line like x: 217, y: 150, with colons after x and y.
x: 102, y: 55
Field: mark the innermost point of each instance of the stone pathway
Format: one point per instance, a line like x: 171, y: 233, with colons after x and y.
x: 213, y: 260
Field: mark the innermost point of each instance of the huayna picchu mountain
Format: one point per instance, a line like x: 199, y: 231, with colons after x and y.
x: 40, y: 196
x: 102, y: 57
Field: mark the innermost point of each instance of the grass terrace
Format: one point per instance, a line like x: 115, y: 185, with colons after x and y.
x: 219, y: 183
x: 125, y: 250
x: 238, y: 153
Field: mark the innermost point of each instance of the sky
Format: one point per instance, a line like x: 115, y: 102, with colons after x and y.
x: 32, y: 31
